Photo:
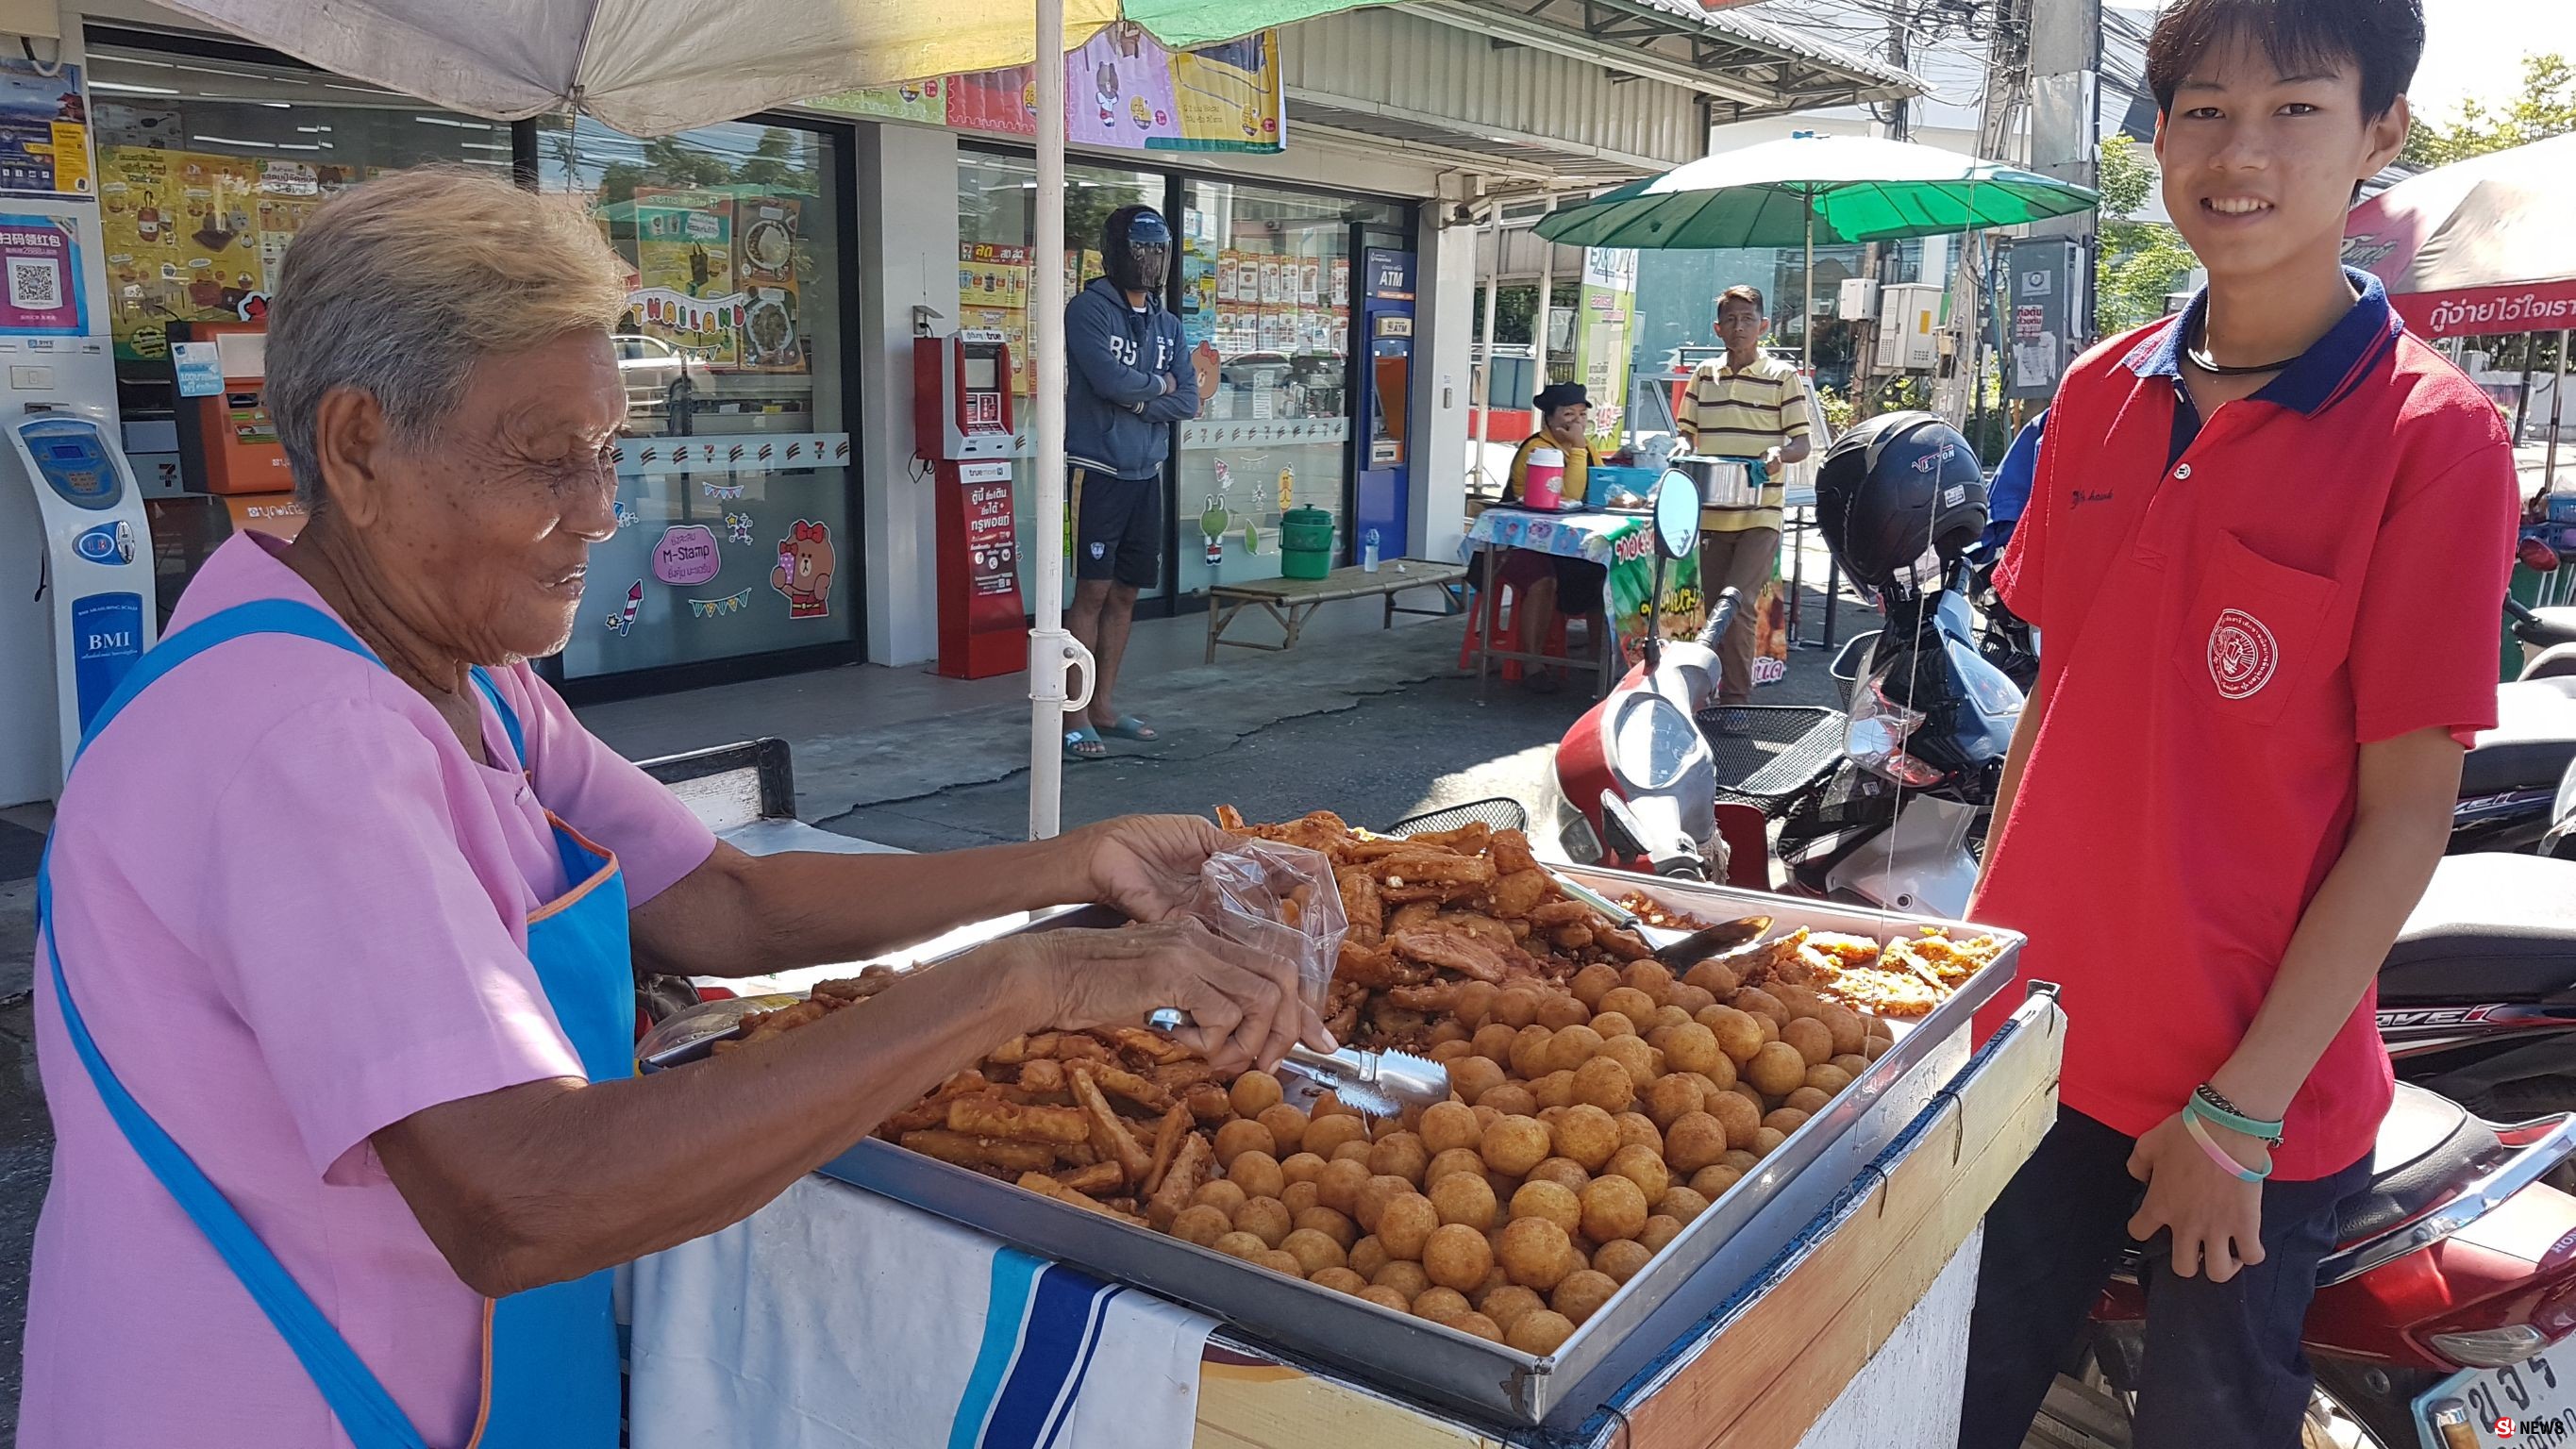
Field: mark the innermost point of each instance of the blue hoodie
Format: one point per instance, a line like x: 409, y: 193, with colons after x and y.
x: 1117, y: 415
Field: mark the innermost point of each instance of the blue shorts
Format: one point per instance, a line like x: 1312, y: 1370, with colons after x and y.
x: 1117, y: 526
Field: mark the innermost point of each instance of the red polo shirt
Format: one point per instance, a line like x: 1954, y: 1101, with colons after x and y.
x: 2228, y: 611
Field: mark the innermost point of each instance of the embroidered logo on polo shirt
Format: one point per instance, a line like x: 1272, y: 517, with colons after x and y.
x: 2242, y: 654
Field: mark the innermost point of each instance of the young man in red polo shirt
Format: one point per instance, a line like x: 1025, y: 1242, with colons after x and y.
x: 2266, y: 550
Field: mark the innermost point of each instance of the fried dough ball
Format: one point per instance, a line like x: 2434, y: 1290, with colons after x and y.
x: 1313, y: 1251
x: 1770, y: 1026
x: 1252, y: 1094
x: 1287, y: 1128
x: 1340, y: 1280
x: 1659, y: 1231
x: 1644, y: 1064
x: 1778, y: 1069
x: 1636, y: 1129
x: 1472, y: 1077
x: 1474, y: 1000
x: 1825, y: 1080
x: 1266, y: 1218
x: 1802, y: 1001
x: 1405, y: 1224
x: 1692, y: 1047
x: 1714, y: 977
x: 1669, y: 1097
x: 1785, y: 1120
x: 1203, y: 1224
x: 1328, y: 1105
x: 1622, y: 1260
x: 1479, y: 1325
x: 1758, y: 1002
x: 1277, y: 1261
x: 1768, y: 1140
x: 1588, y: 1135
x: 1738, y: 1119
x: 1301, y: 1198
x: 1338, y: 1185
x: 1405, y: 1276
x: 1649, y: 976
x: 1845, y: 1025
x: 1613, y: 1024
x: 1810, y: 1098
x: 1464, y: 1197
x: 1720, y: 1075
x: 1813, y: 1039
x: 1506, y: 1304
x: 1697, y: 1139
x: 1240, y: 1136
x: 1530, y: 1051
x: 1741, y: 1159
x: 1690, y: 998
x: 1326, y: 1132
x: 1579, y: 1295
x: 1456, y: 1159
x: 1368, y: 1255
x: 1355, y: 1150
x: 1450, y: 1050
x: 1738, y: 1034
x: 1222, y: 1195
x: 1399, y: 1154
x: 1681, y: 1203
x: 1539, y: 1332
x: 1850, y: 1064
x: 1602, y: 1082
x: 1557, y: 1011
x: 1514, y: 1145
x: 1536, y: 1252
x: 1440, y: 1304
x: 1336, y: 1226
x: 1629, y: 1002
x: 1304, y: 1167
x: 1552, y: 1201
x: 1571, y: 1047
x: 1593, y: 982
x: 1669, y: 1016
x: 1565, y: 1172
x: 1457, y: 1256
x: 1613, y: 1208
x: 1239, y: 1245
x: 1712, y: 1181
x: 1257, y: 1173
x: 1511, y: 1099
x: 1450, y: 1125
x: 1877, y: 1047
x: 1382, y: 1128
x: 1387, y: 1298
x: 1373, y: 1197
x: 1515, y: 1007
x: 1493, y: 1041
x: 1643, y: 1166
x: 1556, y: 1089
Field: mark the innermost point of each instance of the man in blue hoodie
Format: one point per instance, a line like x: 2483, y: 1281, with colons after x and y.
x: 1124, y: 390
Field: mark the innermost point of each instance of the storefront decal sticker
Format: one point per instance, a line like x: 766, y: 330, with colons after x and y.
x: 623, y: 621
x: 738, y: 528
x: 761, y: 453
x: 722, y: 490
x: 709, y: 608
x: 687, y: 555
x: 806, y: 564
x: 627, y: 517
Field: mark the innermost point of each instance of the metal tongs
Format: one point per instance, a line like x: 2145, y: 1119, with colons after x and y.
x: 1676, y: 948
x: 1380, y: 1084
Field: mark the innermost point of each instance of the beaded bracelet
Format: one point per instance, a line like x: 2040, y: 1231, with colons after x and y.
x: 2218, y: 1154
x: 2208, y: 1104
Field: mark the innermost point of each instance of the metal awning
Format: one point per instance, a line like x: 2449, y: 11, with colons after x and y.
x: 1750, y: 66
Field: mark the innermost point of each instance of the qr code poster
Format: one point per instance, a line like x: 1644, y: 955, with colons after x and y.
x: 40, y: 264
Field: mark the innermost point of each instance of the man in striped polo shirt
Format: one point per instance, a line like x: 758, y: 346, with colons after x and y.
x: 1747, y: 404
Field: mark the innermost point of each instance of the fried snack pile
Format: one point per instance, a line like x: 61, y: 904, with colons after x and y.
x: 1600, y: 1102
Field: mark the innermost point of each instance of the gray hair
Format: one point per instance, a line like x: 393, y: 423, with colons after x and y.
x: 398, y: 287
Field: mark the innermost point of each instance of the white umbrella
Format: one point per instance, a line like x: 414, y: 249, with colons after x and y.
x: 651, y: 67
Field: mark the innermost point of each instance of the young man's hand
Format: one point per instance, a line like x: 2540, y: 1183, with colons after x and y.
x: 2216, y: 1219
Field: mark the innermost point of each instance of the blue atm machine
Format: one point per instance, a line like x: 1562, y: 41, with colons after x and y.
x: 1384, y: 348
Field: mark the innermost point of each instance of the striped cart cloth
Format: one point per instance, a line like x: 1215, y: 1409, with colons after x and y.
x: 835, y: 1318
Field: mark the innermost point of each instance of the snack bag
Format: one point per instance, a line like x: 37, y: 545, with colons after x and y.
x: 1279, y: 900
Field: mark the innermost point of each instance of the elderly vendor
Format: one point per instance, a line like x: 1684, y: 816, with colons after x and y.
x: 335, y: 979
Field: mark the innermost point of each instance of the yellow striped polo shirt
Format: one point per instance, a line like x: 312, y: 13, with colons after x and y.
x: 1727, y: 413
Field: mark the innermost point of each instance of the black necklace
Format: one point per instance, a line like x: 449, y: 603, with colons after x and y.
x: 2200, y: 358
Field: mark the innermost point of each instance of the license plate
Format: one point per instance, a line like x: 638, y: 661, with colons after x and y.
x: 2530, y: 1405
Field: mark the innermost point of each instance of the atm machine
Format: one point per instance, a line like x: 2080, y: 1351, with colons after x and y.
x: 962, y: 427
x: 76, y: 595
x: 1383, y: 348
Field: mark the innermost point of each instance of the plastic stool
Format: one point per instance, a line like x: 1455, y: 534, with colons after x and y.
x: 1502, y: 631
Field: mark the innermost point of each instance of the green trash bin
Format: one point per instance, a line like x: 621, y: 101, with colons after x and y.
x: 1305, y: 543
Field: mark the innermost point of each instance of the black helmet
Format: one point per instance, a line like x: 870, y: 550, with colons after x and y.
x: 1893, y: 488
x: 1136, y: 249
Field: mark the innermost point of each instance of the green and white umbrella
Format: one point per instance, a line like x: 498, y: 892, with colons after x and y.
x: 1806, y: 189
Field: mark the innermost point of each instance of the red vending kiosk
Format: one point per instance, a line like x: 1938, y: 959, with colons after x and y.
x: 961, y: 421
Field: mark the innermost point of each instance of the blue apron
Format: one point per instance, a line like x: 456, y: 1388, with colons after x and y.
x: 550, y: 1373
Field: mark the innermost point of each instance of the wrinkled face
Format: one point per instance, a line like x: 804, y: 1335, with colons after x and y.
x: 2259, y: 167
x: 490, y: 525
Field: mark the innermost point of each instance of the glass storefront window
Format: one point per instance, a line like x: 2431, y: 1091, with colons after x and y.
x: 734, y: 517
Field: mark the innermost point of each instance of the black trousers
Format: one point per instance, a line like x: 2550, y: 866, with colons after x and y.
x: 2223, y: 1365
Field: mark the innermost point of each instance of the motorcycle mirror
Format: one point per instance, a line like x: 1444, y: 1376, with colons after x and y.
x: 1676, y: 506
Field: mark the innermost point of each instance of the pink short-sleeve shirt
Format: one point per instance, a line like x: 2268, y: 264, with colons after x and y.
x: 292, y: 908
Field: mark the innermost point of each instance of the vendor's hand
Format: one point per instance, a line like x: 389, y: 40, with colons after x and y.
x: 1243, y: 1004
x: 2215, y: 1218
x: 1771, y: 459
x: 1143, y: 864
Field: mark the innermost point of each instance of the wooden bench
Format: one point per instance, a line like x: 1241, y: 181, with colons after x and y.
x: 1291, y: 602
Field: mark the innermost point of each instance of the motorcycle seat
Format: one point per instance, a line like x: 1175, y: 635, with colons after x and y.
x: 2490, y: 927
x: 2532, y: 743
x: 2427, y: 1146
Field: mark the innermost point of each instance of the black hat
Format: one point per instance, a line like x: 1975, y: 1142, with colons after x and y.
x: 1561, y: 395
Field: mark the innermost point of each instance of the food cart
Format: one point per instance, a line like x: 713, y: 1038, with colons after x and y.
x: 1822, y: 1301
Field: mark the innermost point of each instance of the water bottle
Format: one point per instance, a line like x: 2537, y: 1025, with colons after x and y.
x: 1368, y: 552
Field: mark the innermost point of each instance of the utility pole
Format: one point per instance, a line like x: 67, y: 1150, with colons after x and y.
x: 2007, y: 93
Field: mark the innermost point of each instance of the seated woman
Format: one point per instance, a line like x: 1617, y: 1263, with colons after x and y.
x: 1540, y: 580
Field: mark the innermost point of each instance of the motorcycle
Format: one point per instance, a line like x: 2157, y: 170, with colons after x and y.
x: 2509, y: 782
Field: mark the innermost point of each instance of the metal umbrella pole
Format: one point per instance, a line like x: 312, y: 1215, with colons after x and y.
x: 1052, y: 652
x: 2557, y: 399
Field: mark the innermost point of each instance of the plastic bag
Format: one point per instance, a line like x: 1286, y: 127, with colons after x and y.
x: 1279, y: 900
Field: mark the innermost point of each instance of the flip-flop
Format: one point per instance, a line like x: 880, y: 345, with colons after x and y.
x: 1074, y: 740
x: 1128, y: 727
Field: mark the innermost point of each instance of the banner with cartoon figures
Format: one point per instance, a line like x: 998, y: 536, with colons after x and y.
x: 1120, y: 89
x: 192, y: 236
